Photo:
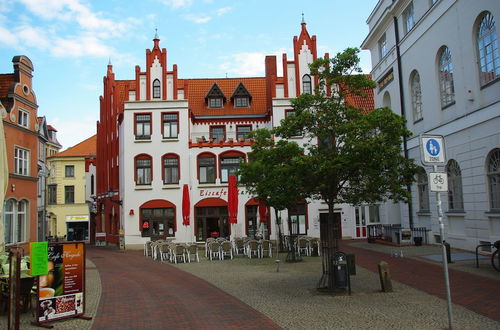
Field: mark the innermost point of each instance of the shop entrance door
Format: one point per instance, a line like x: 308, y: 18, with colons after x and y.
x: 211, y: 222
x: 360, y: 221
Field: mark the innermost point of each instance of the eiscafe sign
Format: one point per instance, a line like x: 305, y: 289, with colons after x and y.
x: 215, y: 192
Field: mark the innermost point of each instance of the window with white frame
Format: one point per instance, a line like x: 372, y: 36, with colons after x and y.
x: 455, y: 195
x: 143, y: 126
x: 297, y: 215
x: 446, y: 86
x: 487, y: 44
x: 493, y: 165
x: 156, y: 89
x: 15, y: 221
x: 170, y: 169
x: 170, y: 125
x: 206, y: 168
x: 423, y: 191
x: 382, y: 46
x: 23, y: 118
x: 21, y: 161
x: 143, y: 170
x: 242, y: 131
x: 215, y: 102
x: 229, y: 166
x: 241, y: 101
x: 218, y: 133
x: 408, y: 18
x: 416, y: 96
x: 306, y: 84
x: 374, y: 213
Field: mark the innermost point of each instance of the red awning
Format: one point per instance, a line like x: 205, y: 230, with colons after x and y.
x: 263, y: 212
x: 232, y: 200
x: 211, y: 202
x: 186, y: 206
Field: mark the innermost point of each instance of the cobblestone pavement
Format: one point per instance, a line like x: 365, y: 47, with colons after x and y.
x: 142, y: 293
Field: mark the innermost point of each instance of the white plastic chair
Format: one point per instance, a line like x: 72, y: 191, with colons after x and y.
x: 192, y: 250
x: 214, y: 250
x: 226, y: 249
x: 253, y: 248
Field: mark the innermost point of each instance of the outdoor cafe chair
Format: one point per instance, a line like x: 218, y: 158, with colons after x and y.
x: 266, y: 248
x: 253, y: 248
x: 303, y: 246
x: 226, y: 249
x: 164, y: 251
x: 177, y: 251
x: 147, y: 247
x: 207, y: 244
x: 192, y: 250
x: 314, y: 246
x: 239, y: 245
x: 214, y: 250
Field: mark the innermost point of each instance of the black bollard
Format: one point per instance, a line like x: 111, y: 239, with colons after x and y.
x: 448, y: 251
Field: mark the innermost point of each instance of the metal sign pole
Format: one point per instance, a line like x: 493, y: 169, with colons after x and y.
x: 445, y: 260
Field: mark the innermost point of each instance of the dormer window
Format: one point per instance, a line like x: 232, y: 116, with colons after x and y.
x: 241, y: 102
x: 241, y: 97
x: 156, y: 89
x: 215, y: 98
x: 215, y: 102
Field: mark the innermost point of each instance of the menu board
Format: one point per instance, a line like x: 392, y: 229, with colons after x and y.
x: 61, y: 291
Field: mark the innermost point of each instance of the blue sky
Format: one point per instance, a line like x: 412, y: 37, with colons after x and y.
x: 71, y: 41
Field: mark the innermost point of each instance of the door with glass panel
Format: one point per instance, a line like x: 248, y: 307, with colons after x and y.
x: 360, y: 217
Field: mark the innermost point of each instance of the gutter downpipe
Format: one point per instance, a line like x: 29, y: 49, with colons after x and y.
x: 403, y: 113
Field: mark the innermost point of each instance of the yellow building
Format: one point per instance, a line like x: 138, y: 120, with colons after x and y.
x: 67, y: 206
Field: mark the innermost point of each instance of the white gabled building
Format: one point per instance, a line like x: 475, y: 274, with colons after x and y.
x: 437, y: 63
x: 158, y: 133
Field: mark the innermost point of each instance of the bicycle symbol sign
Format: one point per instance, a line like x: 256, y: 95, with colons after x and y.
x: 438, y: 182
x: 432, y: 150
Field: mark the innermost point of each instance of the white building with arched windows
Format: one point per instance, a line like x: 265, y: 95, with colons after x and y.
x: 437, y: 62
x: 159, y: 133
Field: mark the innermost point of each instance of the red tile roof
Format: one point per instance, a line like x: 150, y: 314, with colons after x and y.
x: 366, y: 102
x: 197, y: 89
x: 51, y: 128
x: 122, y: 86
x: 84, y: 148
x: 5, y: 81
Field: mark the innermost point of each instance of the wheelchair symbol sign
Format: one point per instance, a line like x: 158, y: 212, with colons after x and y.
x: 432, y: 150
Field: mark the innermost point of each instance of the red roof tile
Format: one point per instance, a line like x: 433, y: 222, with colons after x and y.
x: 122, y: 87
x: 198, y: 89
x: 51, y: 128
x: 84, y: 148
x: 5, y: 81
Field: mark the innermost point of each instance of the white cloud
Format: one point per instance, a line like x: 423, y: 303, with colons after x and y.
x: 7, y: 38
x: 84, y: 45
x: 197, y: 18
x: 222, y: 11
x: 178, y: 3
x: 249, y: 64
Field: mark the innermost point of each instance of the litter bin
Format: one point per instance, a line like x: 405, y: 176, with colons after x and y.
x: 418, y: 241
x: 340, y: 270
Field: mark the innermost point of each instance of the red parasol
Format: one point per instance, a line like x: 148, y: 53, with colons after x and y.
x: 262, y: 212
x: 232, y: 200
x: 186, y: 207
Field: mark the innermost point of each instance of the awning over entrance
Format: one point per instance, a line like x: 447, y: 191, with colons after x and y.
x: 76, y: 218
x: 211, y: 202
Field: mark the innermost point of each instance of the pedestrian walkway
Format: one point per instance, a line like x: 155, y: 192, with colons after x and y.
x: 139, y: 293
x: 472, y: 291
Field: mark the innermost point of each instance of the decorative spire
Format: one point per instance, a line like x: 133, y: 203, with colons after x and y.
x: 303, y: 21
x: 156, y: 34
x: 109, y: 61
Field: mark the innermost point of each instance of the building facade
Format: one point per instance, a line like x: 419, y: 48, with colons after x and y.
x: 162, y: 133
x: 18, y: 108
x: 67, y: 198
x: 437, y: 63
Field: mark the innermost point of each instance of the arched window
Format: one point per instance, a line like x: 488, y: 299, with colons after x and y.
x: 386, y: 100
x: 229, y: 164
x: 306, y: 84
x: 156, y: 89
x: 423, y: 191
x: 171, y: 172
x: 493, y: 166
x: 416, y: 96
x: 206, y: 168
x: 455, y: 194
x: 487, y: 44
x: 446, y: 86
x: 143, y: 169
x: 15, y: 220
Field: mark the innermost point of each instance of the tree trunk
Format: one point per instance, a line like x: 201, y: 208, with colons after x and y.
x: 280, y: 235
x: 329, y: 245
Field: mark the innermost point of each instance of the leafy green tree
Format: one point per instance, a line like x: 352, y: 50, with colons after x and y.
x: 272, y: 173
x: 353, y: 155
